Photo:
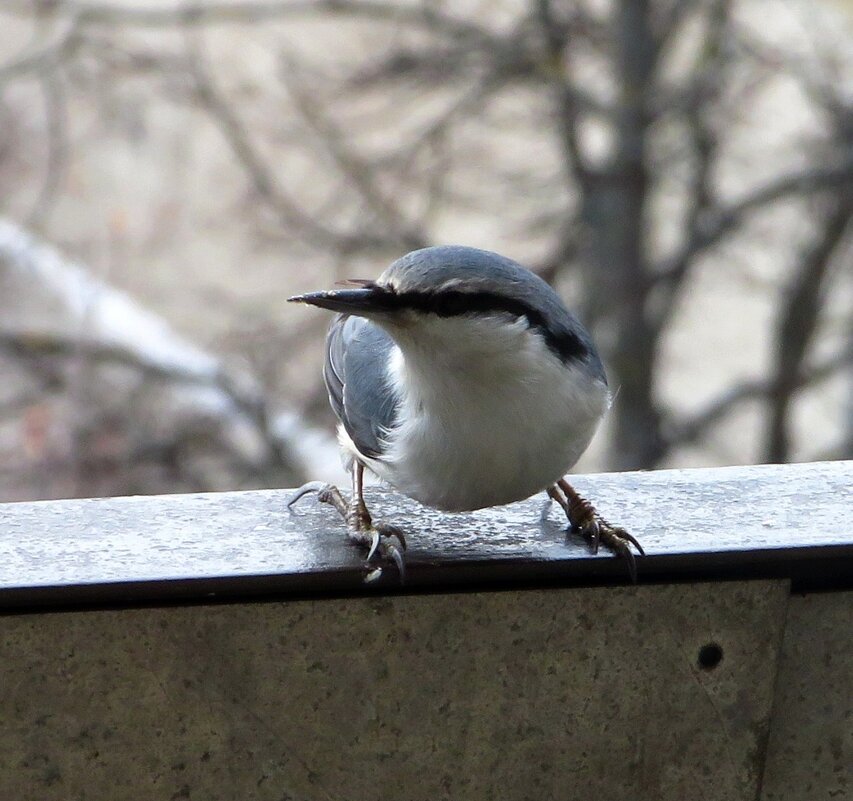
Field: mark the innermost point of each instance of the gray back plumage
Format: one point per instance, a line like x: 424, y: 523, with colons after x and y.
x: 356, y: 377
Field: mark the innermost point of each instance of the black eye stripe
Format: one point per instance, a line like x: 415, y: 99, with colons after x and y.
x: 453, y: 303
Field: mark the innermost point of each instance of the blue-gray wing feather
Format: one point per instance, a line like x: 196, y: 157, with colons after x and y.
x: 356, y: 376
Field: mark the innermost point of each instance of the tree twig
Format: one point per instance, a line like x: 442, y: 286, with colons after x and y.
x: 691, y: 429
x: 716, y: 223
x: 295, y: 219
x: 360, y: 175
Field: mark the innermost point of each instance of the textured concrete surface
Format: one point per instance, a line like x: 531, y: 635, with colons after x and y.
x: 810, y: 752
x: 558, y: 694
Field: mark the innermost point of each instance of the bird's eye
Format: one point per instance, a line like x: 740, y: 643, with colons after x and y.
x: 450, y: 304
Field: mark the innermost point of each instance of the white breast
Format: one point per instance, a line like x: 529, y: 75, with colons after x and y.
x: 489, y: 414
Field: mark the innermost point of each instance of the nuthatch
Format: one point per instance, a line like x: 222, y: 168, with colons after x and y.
x: 460, y: 379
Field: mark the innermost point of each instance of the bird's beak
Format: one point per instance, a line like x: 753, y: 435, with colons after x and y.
x: 363, y: 300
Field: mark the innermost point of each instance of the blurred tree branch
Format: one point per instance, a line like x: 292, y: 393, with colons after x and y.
x: 692, y: 428
x: 716, y: 223
x: 394, y: 230
x: 56, y: 113
x: 190, y: 394
x: 248, y: 12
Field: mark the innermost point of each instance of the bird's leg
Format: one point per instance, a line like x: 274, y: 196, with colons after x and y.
x: 357, y: 517
x: 360, y: 527
x: 377, y: 538
x: 585, y: 520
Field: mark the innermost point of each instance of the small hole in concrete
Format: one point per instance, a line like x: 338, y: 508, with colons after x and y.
x: 710, y: 656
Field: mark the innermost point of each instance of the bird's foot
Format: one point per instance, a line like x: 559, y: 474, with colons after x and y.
x: 382, y: 539
x: 385, y: 540
x: 585, y: 520
x: 615, y: 538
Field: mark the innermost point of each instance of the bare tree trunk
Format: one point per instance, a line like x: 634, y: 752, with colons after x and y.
x: 798, y: 322
x: 846, y: 449
x: 614, y: 209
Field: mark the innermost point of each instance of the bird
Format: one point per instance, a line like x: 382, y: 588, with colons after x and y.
x: 459, y: 378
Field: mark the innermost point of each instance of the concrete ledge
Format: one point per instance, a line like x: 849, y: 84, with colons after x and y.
x: 791, y: 521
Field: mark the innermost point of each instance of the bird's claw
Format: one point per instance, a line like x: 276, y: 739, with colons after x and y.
x: 387, y: 530
x: 382, y: 541
x: 591, y: 532
x: 374, y: 544
x: 397, y: 555
x: 628, y: 555
x: 305, y: 489
x: 598, y: 531
x: 378, y: 539
x: 632, y: 539
x: 586, y: 521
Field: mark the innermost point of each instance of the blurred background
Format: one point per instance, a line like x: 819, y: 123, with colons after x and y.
x: 681, y: 171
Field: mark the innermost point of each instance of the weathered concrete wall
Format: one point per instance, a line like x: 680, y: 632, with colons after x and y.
x: 553, y: 694
x: 810, y: 755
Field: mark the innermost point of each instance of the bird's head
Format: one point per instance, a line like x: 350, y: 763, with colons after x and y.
x: 455, y: 297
